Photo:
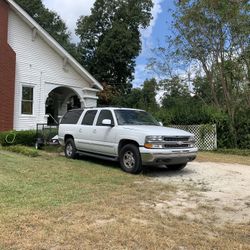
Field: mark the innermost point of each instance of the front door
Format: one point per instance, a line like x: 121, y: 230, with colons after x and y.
x: 104, y: 136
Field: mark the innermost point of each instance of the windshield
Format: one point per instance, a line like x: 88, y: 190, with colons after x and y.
x: 134, y: 117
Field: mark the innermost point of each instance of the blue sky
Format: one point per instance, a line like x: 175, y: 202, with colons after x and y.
x: 160, y: 29
x: 155, y: 34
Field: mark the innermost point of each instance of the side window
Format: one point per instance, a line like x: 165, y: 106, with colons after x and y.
x: 71, y: 117
x: 104, y: 114
x: 89, y: 117
x: 27, y: 100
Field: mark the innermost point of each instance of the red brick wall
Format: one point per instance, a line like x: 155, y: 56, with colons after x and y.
x: 7, y: 72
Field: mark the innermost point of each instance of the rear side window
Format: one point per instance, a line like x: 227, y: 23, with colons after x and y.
x: 71, y: 117
x: 89, y: 117
x: 105, y: 114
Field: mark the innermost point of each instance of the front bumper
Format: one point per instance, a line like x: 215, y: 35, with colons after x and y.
x: 167, y: 156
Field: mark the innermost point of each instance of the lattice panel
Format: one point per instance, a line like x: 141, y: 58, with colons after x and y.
x: 205, y: 135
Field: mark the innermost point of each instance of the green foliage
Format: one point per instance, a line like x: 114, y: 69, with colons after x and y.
x: 26, y: 138
x: 110, y: 40
x: 140, y: 98
x: 211, y: 42
x: 47, y: 133
x: 31, y: 152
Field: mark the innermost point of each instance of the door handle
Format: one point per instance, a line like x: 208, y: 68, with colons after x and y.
x: 94, y: 131
x: 80, y: 130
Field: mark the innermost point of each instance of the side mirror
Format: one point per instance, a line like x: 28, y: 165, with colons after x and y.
x: 107, y: 122
x: 161, y: 124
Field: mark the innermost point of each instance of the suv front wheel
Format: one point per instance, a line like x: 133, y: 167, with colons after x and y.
x: 70, y: 149
x: 130, y: 159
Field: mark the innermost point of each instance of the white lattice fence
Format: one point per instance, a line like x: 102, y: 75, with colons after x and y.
x: 205, y: 135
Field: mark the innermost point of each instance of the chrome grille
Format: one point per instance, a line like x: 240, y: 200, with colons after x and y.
x: 177, y: 146
x: 166, y: 138
x: 177, y: 142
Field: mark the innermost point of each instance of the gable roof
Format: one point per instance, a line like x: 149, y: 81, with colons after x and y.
x: 54, y: 44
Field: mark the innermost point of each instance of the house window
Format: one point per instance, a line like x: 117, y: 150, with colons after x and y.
x: 27, y: 100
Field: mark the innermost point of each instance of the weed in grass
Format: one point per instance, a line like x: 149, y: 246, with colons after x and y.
x: 27, y: 151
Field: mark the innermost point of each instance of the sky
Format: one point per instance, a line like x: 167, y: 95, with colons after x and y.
x: 155, y: 34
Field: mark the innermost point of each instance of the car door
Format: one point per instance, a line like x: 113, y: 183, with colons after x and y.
x: 85, y: 131
x: 104, y: 135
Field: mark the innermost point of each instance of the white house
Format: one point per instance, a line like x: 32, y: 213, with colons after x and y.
x: 38, y: 78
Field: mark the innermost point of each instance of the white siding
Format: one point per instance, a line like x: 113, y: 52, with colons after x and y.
x: 37, y: 65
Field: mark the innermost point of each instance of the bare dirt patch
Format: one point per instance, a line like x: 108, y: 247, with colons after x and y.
x: 218, y: 192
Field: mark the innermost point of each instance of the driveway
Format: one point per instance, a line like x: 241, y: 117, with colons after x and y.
x: 207, y: 191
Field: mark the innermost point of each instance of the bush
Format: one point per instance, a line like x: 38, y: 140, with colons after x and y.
x: 31, y: 152
x: 25, y: 138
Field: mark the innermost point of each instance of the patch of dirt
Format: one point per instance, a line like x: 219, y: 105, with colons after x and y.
x: 216, y: 192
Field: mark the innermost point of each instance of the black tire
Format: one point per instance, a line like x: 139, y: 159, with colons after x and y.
x: 70, y: 149
x: 177, y: 167
x: 130, y: 159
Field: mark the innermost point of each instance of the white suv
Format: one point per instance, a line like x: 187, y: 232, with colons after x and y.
x: 131, y: 136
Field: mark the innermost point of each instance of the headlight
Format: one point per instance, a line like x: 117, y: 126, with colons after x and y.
x: 191, y: 140
x: 154, y: 141
x: 154, y: 138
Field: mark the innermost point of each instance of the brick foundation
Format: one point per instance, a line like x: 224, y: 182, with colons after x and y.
x: 7, y: 72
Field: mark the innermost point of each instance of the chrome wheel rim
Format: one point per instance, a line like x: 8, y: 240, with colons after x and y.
x: 129, y: 159
x: 69, y: 150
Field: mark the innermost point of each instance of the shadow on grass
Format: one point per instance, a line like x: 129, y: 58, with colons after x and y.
x: 148, y: 171
x: 104, y: 163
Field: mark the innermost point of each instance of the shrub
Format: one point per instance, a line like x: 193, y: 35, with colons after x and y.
x: 31, y: 152
x: 26, y: 138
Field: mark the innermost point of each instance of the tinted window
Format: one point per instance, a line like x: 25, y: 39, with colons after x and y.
x: 89, y: 117
x: 71, y: 117
x: 105, y: 114
x: 135, y: 117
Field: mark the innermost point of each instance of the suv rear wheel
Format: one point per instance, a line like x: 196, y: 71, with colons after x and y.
x: 70, y: 149
x: 130, y: 159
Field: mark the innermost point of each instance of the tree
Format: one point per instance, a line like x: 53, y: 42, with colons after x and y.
x: 51, y: 22
x: 214, y: 35
x: 110, y: 40
x: 149, y: 92
x: 140, y: 98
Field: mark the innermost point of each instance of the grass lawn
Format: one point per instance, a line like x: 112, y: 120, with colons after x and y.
x: 50, y: 202
x: 226, y: 158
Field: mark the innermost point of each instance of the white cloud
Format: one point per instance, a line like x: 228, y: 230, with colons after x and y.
x: 70, y: 11
x: 140, y: 72
x: 157, y: 9
x: 147, y: 42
